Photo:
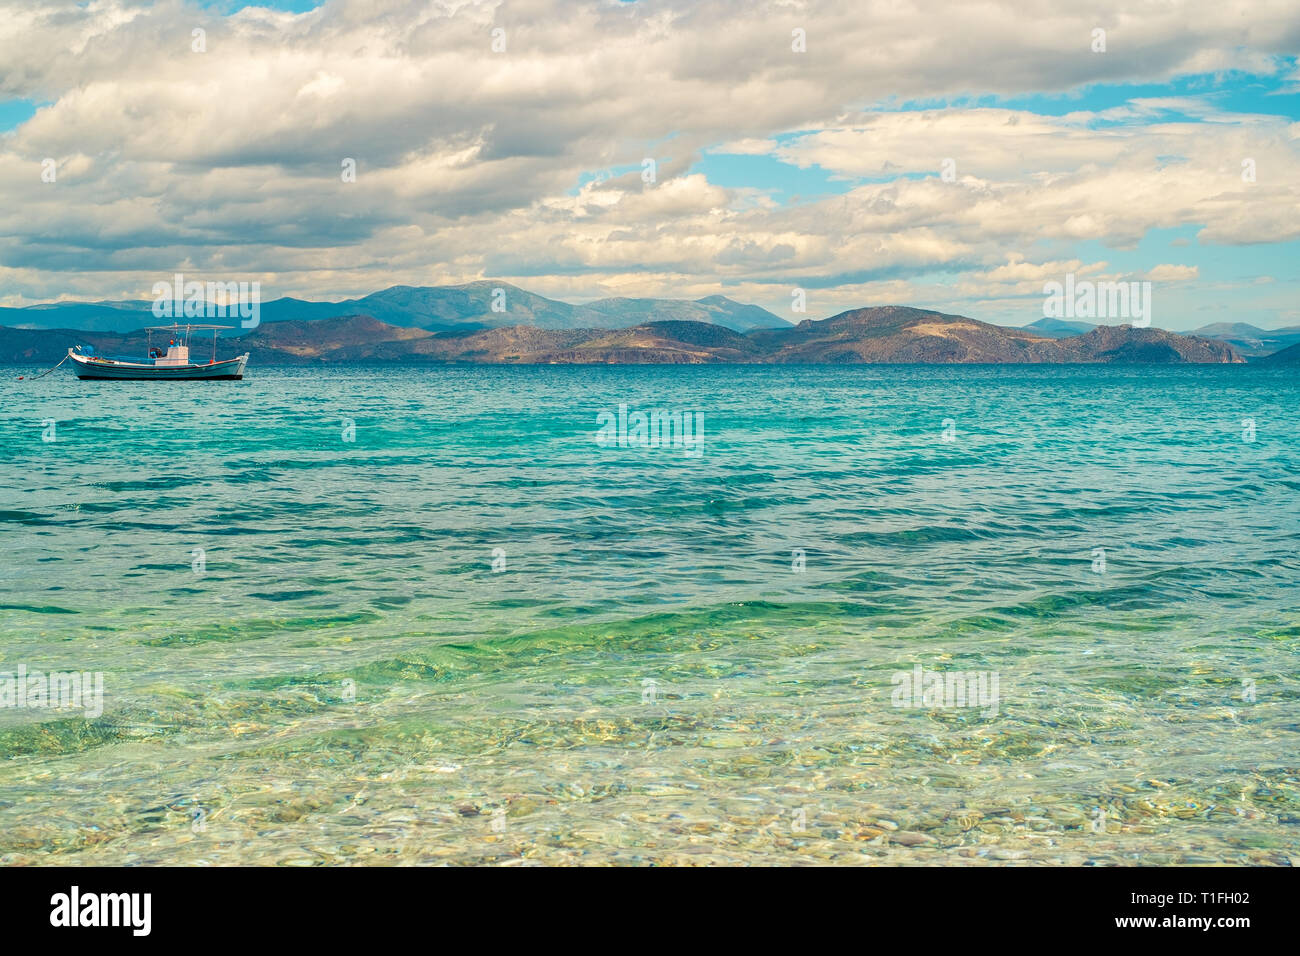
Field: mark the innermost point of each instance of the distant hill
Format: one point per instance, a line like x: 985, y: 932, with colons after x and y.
x: 1250, y: 341
x: 656, y: 343
x: 660, y: 343
x: 1059, y: 328
x: 87, y: 316
x: 903, y: 334
x: 468, y: 305
x: 887, y: 334
x: 1287, y: 356
x: 714, y: 309
x: 1123, y: 343
x: 437, y: 308
x: 315, y: 339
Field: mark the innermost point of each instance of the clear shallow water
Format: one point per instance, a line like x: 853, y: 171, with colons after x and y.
x: 348, y: 680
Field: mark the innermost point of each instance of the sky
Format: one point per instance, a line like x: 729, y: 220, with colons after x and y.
x: 946, y: 156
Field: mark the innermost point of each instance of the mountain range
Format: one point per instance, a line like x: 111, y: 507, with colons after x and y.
x: 473, y: 305
x: 459, y: 310
x: 885, y: 334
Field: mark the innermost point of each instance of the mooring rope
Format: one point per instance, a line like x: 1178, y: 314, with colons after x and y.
x: 48, y: 370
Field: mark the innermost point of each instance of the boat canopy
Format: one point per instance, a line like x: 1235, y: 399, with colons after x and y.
x: 184, y: 331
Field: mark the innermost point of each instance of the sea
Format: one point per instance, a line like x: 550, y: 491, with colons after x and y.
x: 655, y: 615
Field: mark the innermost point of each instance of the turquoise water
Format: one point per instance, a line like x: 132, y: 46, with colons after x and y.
x: 344, y: 677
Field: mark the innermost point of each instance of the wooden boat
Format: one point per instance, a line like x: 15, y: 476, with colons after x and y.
x: 170, y: 363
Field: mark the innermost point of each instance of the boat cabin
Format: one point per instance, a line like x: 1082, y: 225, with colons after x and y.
x: 175, y: 355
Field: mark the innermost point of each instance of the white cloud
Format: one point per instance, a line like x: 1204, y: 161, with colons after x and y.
x: 1169, y: 272
x: 469, y: 161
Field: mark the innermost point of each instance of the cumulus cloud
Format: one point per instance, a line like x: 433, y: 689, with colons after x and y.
x: 524, y: 161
